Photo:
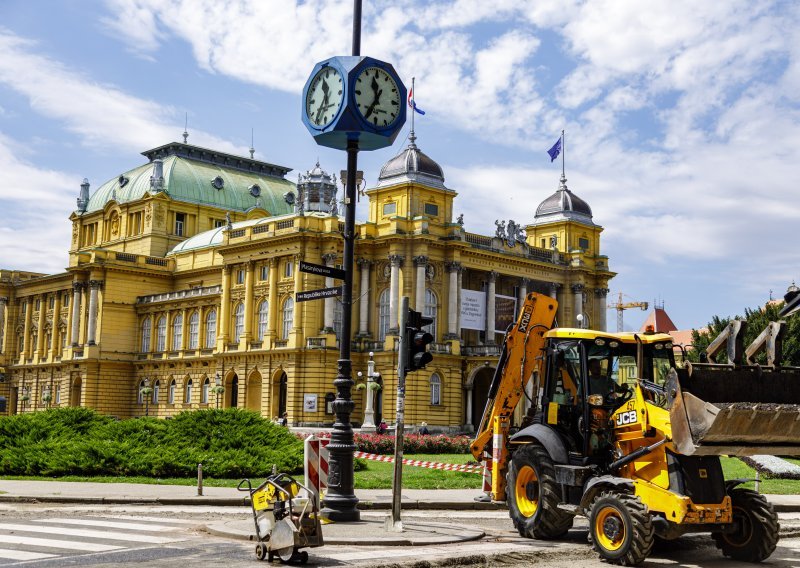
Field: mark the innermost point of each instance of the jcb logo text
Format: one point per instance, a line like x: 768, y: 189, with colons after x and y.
x: 626, y: 418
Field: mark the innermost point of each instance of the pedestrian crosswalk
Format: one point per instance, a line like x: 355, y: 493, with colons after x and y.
x: 51, y: 538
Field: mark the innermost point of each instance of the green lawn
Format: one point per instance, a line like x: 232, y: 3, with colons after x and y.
x: 378, y: 475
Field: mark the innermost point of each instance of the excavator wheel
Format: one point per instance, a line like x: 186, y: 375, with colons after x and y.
x: 534, y: 495
x: 620, y: 528
x: 756, y: 534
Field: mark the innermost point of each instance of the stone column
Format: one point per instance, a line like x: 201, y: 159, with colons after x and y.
x: 297, y: 315
x: 553, y: 292
x: 273, y: 300
x: 577, y: 291
x: 77, y: 288
x: 601, y: 294
x: 247, y: 335
x: 458, y: 301
x: 394, y: 292
x: 184, y: 332
x: 223, y: 322
x: 54, y: 339
x: 369, y: 412
x: 91, y: 330
x: 523, y: 292
x: 421, y: 264
x: 490, y: 307
x: 453, y: 307
x: 363, y: 307
x: 3, y: 326
x: 26, y: 343
x: 327, y: 325
x: 469, y: 424
x: 39, y: 347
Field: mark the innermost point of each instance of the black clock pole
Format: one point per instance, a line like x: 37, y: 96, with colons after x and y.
x: 340, y: 501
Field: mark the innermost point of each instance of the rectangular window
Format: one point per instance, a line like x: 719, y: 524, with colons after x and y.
x: 217, y: 223
x: 135, y: 224
x: 51, y: 302
x: 180, y: 224
x: 65, y: 300
x: 24, y: 307
x: 264, y: 274
x: 390, y: 208
x: 583, y: 244
x: 431, y: 209
x: 544, y: 243
x: 58, y: 393
x: 240, y: 276
x: 38, y: 304
x: 288, y: 269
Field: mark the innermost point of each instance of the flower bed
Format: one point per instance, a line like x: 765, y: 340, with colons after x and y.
x: 383, y: 444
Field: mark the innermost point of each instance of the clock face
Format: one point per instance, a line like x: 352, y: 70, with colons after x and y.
x: 325, y: 96
x: 377, y: 97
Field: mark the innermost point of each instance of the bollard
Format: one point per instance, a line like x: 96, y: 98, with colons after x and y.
x: 200, y: 479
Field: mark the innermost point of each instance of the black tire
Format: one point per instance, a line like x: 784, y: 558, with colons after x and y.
x: 533, y: 494
x: 620, y: 528
x: 756, y: 535
x: 261, y: 551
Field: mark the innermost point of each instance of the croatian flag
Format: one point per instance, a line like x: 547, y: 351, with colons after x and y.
x: 555, y: 150
x: 411, y: 102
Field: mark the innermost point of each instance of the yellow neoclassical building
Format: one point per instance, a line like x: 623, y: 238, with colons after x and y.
x: 183, y: 271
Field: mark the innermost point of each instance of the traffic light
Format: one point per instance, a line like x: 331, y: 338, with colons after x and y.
x: 417, y: 341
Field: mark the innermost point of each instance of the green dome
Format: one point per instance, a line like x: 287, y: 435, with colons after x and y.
x: 197, y: 175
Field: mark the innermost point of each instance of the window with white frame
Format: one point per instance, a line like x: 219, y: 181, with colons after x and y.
x: 238, y: 322
x: 204, y: 392
x: 177, y: 332
x: 58, y: 393
x: 211, y: 329
x: 188, y: 398
x: 338, y: 318
x: 171, y: 392
x: 161, y: 334
x: 240, y: 276
x: 436, y: 389
x: 430, y: 311
x: 146, y: 329
x: 194, y: 330
x: 264, y: 272
x: 288, y: 269
x: 288, y: 317
x: 263, y: 318
x: 180, y: 224
x: 156, y: 389
x: 383, y: 314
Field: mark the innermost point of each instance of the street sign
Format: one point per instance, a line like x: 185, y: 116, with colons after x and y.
x: 318, y: 294
x: 321, y: 270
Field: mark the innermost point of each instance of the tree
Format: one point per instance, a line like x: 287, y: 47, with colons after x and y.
x: 757, y: 319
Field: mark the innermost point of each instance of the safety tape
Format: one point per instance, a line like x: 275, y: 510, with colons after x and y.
x: 426, y: 464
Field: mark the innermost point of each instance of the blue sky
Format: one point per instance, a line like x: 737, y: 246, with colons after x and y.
x: 682, y: 118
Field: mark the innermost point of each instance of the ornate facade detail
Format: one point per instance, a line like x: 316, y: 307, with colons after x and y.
x: 577, y: 288
x: 430, y: 272
x: 421, y: 260
x: 95, y: 284
x: 3, y: 300
x: 601, y: 292
x: 364, y: 263
x: 329, y: 258
x: 453, y: 266
x: 396, y: 260
x: 78, y: 286
x: 511, y: 232
x: 493, y: 274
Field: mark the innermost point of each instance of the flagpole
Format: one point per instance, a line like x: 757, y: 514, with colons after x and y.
x: 413, y: 111
x: 563, y: 152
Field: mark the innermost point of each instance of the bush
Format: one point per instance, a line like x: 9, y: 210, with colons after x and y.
x: 78, y: 441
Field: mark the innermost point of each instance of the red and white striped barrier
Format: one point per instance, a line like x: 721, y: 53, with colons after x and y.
x: 316, y: 464
x: 419, y: 463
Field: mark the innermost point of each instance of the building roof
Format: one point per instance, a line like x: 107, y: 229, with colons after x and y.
x: 563, y: 204
x: 412, y: 164
x: 213, y: 237
x: 660, y: 321
x: 197, y: 175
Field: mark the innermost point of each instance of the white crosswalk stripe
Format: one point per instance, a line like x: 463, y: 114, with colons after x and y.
x: 50, y: 538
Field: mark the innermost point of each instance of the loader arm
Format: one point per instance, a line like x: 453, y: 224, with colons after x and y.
x: 520, y: 357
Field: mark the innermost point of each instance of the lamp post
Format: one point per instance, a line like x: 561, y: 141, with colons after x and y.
x: 145, y: 392
x: 369, y: 412
x: 583, y: 320
x: 47, y: 396
x: 218, y: 388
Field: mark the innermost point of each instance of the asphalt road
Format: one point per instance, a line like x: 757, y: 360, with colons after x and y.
x: 104, y: 535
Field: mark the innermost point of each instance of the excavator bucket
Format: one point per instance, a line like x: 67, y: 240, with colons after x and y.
x: 745, y: 411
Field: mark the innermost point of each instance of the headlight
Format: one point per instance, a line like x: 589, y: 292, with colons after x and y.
x: 659, y: 346
x: 595, y: 399
x: 613, y: 344
x: 600, y: 342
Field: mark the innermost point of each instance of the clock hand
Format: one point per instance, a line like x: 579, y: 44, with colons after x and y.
x: 375, y: 101
x: 322, y: 106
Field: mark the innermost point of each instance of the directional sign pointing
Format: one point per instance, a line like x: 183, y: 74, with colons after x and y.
x: 318, y: 294
x: 321, y: 270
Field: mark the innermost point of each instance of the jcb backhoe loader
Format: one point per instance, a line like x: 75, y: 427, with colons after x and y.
x: 634, y: 447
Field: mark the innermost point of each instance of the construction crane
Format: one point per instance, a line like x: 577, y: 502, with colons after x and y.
x: 621, y: 306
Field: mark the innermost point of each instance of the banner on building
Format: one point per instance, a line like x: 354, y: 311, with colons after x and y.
x: 310, y: 403
x: 505, y: 312
x: 473, y: 309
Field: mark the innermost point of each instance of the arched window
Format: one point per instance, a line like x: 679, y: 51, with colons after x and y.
x: 171, y: 393
x: 140, y: 396
x: 58, y: 393
x: 156, y: 388
x: 288, y: 317
x: 188, y: 398
x: 194, y: 330
x: 34, y: 339
x: 383, y: 314
x: 21, y: 342
x: 206, y: 388
x: 146, y: 328
x: 430, y: 311
x: 436, y: 389
x: 263, y: 318
x: 211, y: 329
x: 161, y: 334
x: 63, y: 334
x: 338, y: 316
x: 238, y: 322
x: 177, y: 332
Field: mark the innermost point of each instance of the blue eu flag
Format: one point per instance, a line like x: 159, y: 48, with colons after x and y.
x: 555, y: 150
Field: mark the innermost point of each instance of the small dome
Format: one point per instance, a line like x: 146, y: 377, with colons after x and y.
x: 316, y: 191
x: 564, y: 204
x: 412, y: 165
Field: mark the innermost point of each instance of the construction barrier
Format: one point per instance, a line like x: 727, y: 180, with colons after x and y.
x: 316, y: 465
x: 426, y: 464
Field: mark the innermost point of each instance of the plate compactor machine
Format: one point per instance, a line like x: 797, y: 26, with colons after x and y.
x: 618, y: 433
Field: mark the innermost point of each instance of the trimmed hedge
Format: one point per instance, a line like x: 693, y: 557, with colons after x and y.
x: 77, y: 441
